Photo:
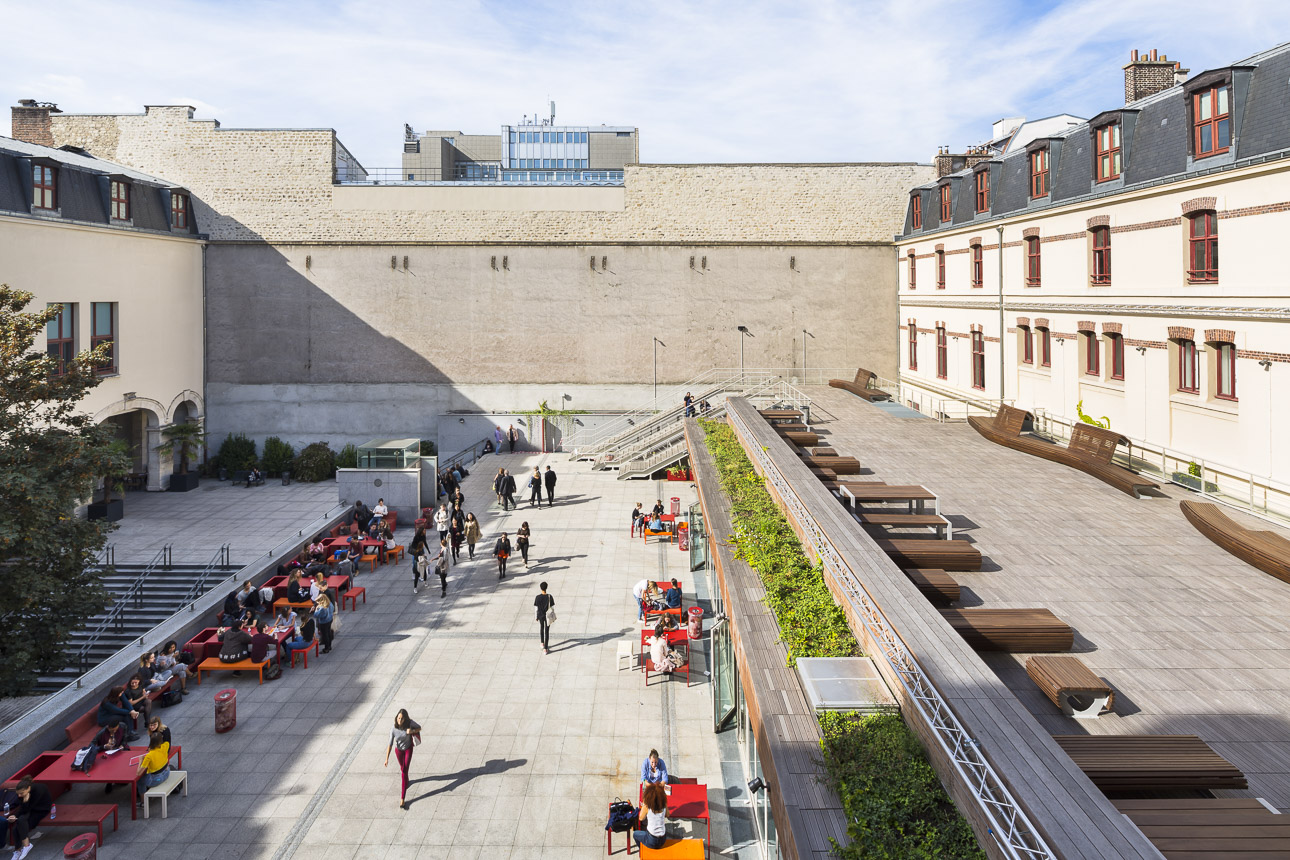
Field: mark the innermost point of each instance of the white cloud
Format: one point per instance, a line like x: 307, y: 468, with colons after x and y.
x: 720, y: 81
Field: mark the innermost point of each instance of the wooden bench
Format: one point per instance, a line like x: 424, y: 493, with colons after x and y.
x: 175, y: 779
x: 1201, y: 828
x: 860, y: 386
x: 822, y: 451
x: 1071, y: 686
x: 935, y: 522
x: 940, y: 554
x: 84, y: 815
x: 1268, y: 551
x: 243, y: 476
x: 777, y: 415
x: 1090, y: 449
x: 215, y: 664
x: 802, y: 438
x: 1150, y: 762
x: 935, y: 584
x: 675, y: 849
x: 1036, y: 630
x: 840, y: 465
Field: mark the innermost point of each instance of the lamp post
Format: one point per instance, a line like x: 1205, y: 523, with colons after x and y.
x: 805, y: 335
x: 1001, y: 328
x: 657, y: 344
x: 743, y: 332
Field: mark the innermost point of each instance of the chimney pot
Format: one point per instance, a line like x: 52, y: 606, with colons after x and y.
x: 1153, y: 55
x: 1133, y: 57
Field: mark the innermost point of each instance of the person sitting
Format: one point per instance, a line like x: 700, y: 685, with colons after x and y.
x: 168, y: 664
x: 254, y: 477
x: 657, y: 510
x: 673, y: 596
x: 656, y: 523
x: 112, y: 736
x: 287, y: 620
x: 249, y: 596
x: 488, y: 446
x: 378, y: 512
x: 296, y: 589
x: 661, y: 654
x: 305, y: 633
x: 114, y: 707
x: 316, y: 550
x: 260, y: 642
x: 653, y: 769
x: 235, y: 644
x: 155, y: 679
x: 638, y: 519
x: 136, y: 696
x: 354, y: 554
x: 157, y: 727
x: 33, y: 803
x: 154, y: 767
x: 653, y: 815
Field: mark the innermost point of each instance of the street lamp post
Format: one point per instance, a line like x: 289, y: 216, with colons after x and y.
x: 743, y: 332
x: 805, y: 335
x: 657, y: 343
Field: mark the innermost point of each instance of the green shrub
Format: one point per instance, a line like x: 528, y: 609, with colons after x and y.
x: 317, y: 462
x: 237, y: 452
x: 348, y: 457
x: 428, y: 448
x: 811, y: 623
x: 277, y: 456
x: 895, y: 805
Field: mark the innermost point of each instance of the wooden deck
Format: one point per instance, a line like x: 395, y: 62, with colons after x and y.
x: 1194, y: 640
x: 1074, y: 817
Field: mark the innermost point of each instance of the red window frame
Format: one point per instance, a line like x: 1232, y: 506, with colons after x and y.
x: 916, y: 219
x: 60, y: 337
x: 1092, y: 355
x: 98, y: 335
x: 120, y: 200
x: 1045, y: 348
x: 1039, y: 173
x: 978, y: 267
x: 983, y: 191
x: 1027, y: 344
x: 940, y: 270
x: 1188, y: 367
x: 1211, y: 119
x: 1033, y: 270
x: 1107, y: 145
x: 913, y: 271
x: 1116, y: 341
x: 942, y: 354
x: 1225, y: 371
x: 978, y: 360
x: 44, y: 186
x: 1101, y: 274
x: 1202, y: 247
x: 179, y: 205
x: 947, y: 204
x: 913, y: 346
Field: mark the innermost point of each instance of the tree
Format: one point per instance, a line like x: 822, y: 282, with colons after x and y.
x: 186, y: 438
x: 51, y: 454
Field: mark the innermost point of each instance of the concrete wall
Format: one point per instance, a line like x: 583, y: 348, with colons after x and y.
x: 401, y: 489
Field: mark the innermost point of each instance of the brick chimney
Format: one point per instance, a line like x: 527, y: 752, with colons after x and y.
x: 947, y: 162
x: 30, y: 121
x: 1149, y: 73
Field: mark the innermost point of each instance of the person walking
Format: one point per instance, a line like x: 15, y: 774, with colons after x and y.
x: 498, y: 479
x: 689, y: 405
x: 497, y: 435
x: 472, y: 533
x: 508, y: 491
x: 324, y: 614
x: 544, y: 604
x: 522, y: 542
x: 403, y: 737
x: 441, y: 520
x: 418, y: 550
x: 456, y: 533
x: 441, y: 567
x: 502, y: 550
x: 550, y: 486
x: 512, y: 437
x: 535, y: 488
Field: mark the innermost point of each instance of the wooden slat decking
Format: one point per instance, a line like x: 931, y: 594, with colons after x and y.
x: 1074, y: 817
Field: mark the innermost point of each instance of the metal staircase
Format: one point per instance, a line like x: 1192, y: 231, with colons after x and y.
x: 143, y: 595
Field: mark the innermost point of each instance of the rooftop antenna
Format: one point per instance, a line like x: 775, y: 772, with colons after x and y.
x: 552, y: 112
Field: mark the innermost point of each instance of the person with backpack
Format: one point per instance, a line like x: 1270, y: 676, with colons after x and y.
x: 472, y: 533
x: 502, y: 551
x: 324, y: 614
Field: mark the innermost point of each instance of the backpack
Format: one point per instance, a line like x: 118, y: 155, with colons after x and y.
x: 622, y: 816
x: 272, y: 672
x: 85, y: 757
x: 170, y: 698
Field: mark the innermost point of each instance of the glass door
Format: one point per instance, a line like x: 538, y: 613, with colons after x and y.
x: 698, y: 539
x: 725, y: 680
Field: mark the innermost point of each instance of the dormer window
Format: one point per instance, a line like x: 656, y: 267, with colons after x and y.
x: 947, y: 207
x: 1213, y: 128
x: 178, y: 210
x: 1108, y: 152
x: 916, y: 218
x: 44, y: 190
x: 983, y: 191
x: 120, y: 200
x: 1039, y: 173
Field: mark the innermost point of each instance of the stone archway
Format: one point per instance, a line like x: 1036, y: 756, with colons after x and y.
x: 141, y: 428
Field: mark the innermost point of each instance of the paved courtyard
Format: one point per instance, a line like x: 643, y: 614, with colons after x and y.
x: 523, y: 751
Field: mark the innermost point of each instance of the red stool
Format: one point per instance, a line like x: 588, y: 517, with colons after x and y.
x: 351, y: 596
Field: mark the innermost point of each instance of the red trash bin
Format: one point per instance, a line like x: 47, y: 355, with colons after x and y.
x: 676, y: 506
x: 83, y: 847
x: 696, y: 622
x: 225, y: 710
x: 683, y: 536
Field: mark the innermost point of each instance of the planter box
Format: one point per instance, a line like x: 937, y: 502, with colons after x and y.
x: 110, y: 511
x: 688, y: 476
x: 1193, y: 483
x: 184, y: 483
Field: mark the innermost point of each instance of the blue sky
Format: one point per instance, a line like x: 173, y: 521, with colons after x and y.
x: 704, y: 81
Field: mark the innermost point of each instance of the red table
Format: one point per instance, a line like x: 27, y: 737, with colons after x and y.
x: 121, y: 767
x: 674, y: 637
x: 210, y: 644
x: 690, y: 801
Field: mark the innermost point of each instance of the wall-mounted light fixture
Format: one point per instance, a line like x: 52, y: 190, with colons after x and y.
x: 492, y: 262
x: 309, y: 262
x: 792, y: 263
x: 394, y: 262
x: 593, y: 264
x: 1142, y: 350
x: 405, y: 264
x: 1265, y: 363
x: 506, y: 263
x: 756, y: 785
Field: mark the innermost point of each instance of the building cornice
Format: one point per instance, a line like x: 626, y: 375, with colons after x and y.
x: 1279, y: 314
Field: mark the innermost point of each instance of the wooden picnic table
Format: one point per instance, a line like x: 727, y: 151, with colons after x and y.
x: 915, y: 495
x: 116, y: 768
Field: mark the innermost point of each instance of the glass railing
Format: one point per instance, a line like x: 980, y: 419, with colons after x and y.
x: 478, y: 174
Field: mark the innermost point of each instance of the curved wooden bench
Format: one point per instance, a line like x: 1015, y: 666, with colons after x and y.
x: 860, y: 386
x: 936, y: 585
x: 1011, y: 629
x: 1071, y: 686
x: 1090, y: 449
x: 1266, y: 550
x: 937, y: 554
x: 1150, y: 762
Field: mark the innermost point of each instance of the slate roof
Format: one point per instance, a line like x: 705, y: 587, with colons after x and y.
x: 84, y: 188
x: 1155, y: 147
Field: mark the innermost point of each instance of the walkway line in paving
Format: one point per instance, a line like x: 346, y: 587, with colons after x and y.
x: 667, y: 701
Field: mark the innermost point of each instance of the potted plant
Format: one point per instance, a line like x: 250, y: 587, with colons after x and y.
x: 187, y: 439
x: 679, y: 473
x: 1192, y: 479
x: 113, y: 509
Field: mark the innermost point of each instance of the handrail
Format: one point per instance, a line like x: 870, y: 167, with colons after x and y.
x: 221, y: 561
x: 132, y: 596
x: 474, y: 452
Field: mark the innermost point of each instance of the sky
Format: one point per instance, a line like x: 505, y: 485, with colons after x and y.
x: 750, y: 81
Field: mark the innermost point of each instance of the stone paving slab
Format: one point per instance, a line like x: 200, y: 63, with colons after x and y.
x: 523, y: 751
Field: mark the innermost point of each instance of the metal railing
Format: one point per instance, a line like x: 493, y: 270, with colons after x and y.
x: 478, y: 174
x: 132, y: 597
x: 466, y: 457
x: 1017, y: 836
x: 219, y: 561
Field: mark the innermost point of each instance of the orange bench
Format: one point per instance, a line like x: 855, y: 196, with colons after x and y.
x: 215, y: 664
x: 675, y: 849
x: 645, y: 534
